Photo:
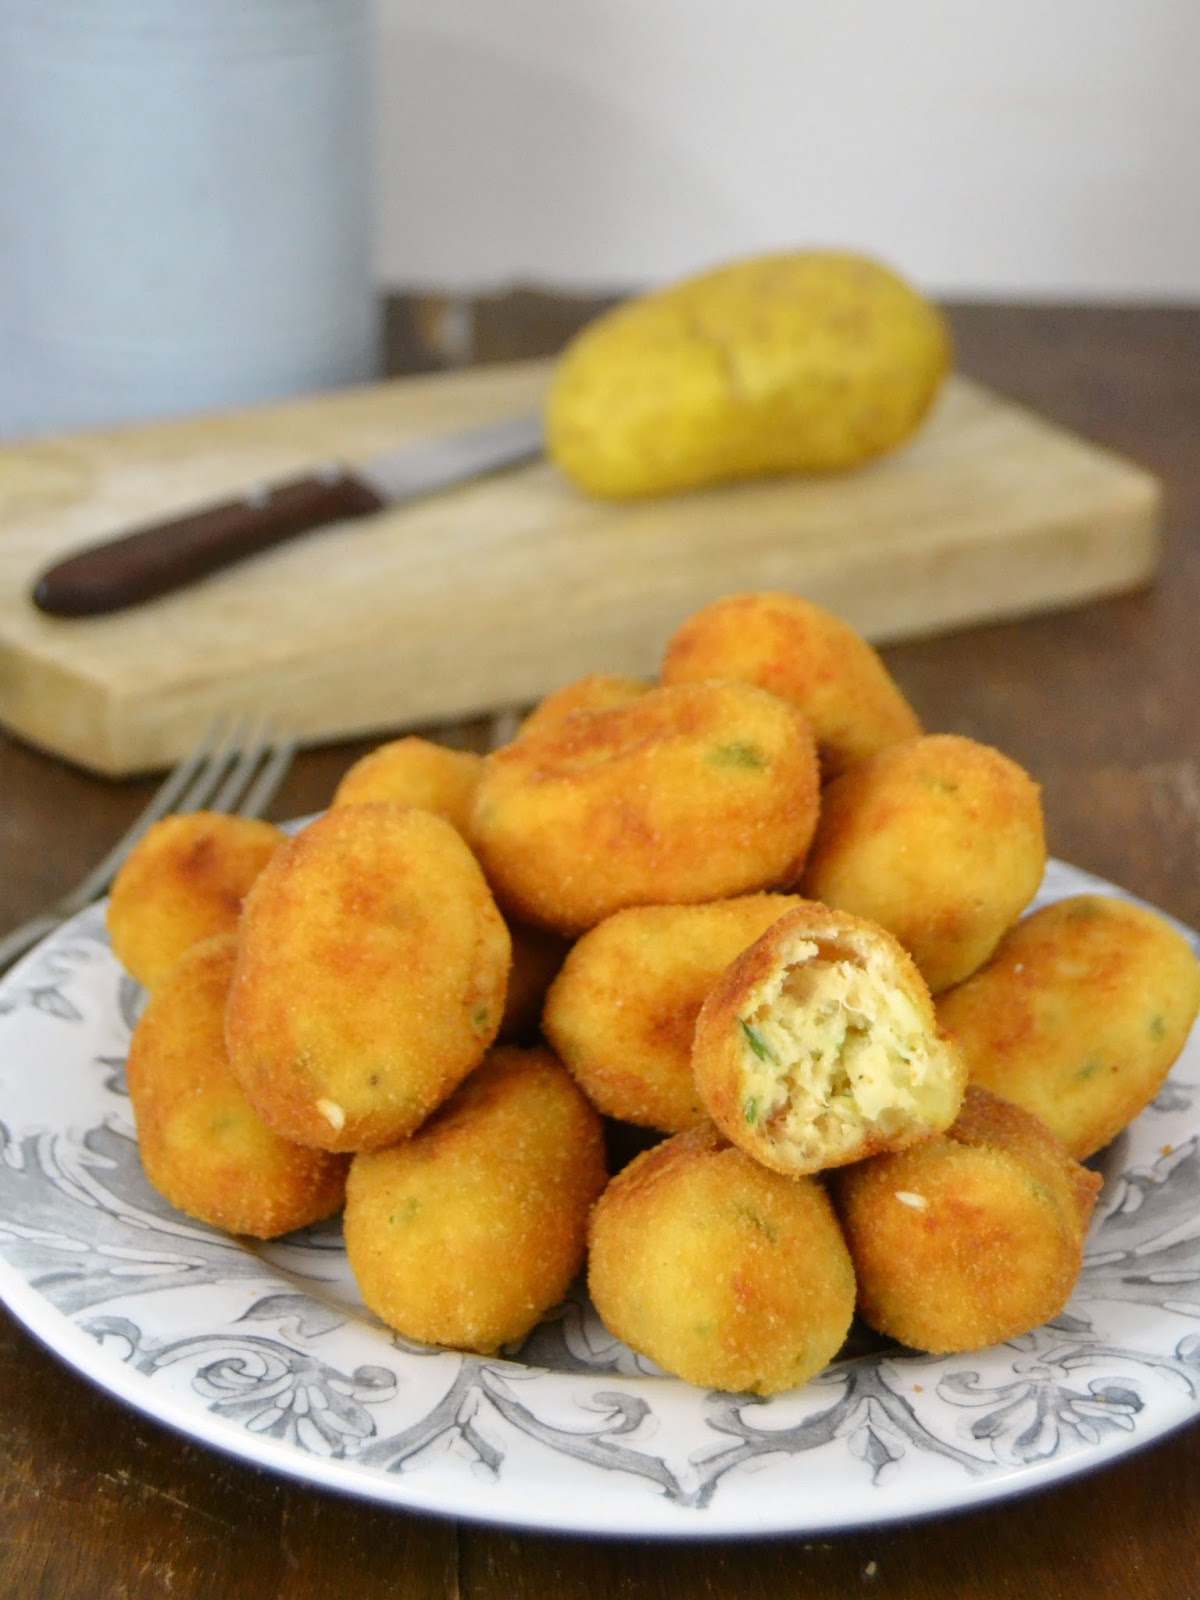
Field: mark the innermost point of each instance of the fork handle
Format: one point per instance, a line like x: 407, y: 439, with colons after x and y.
x: 151, y: 561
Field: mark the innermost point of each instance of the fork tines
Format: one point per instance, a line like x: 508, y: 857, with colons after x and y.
x: 245, y: 763
x: 237, y: 767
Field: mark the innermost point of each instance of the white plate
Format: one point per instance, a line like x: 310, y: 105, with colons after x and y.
x: 267, y: 1352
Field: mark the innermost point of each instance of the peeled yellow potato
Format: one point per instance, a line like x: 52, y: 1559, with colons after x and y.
x: 808, y: 362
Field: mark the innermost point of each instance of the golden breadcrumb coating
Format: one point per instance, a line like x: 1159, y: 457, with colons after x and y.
x: 807, y: 656
x: 724, y: 1273
x: 371, y: 975
x: 684, y: 794
x: 202, y: 1144
x: 468, y: 1232
x: 971, y: 1238
x: 940, y: 840
x: 622, y: 1012
x: 183, y: 882
x: 1079, y: 1015
x: 537, y: 958
x: 414, y: 772
x: 595, y: 691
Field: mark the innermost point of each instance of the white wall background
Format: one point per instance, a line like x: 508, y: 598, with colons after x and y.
x: 1038, y: 148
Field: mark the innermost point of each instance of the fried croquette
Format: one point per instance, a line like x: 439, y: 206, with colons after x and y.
x: 184, y: 881
x: 622, y: 1011
x: 596, y: 691
x: 818, y: 1046
x: 807, y: 656
x: 414, y: 772
x: 724, y: 1273
x: 371, y: 974
x: 1079, y: 1015
x: 685, y: 794
x: 969, y: 1239
x: 940, y: 840
x: 467, y: 1233
x: 202, y: 1144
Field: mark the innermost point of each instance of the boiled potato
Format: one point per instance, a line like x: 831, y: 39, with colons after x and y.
x: 813, y: 361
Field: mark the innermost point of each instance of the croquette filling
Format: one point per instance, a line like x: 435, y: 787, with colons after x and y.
x: 834, y: 1049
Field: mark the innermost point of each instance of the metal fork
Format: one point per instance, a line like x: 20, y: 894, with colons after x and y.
x: 237, y: 767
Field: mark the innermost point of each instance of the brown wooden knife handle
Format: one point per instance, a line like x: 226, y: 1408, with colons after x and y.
x: 152, y: 561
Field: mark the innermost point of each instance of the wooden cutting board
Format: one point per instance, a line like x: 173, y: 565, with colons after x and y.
x: 492, y: 594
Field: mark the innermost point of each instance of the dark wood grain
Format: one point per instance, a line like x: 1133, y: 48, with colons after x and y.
x: 1100, y: 703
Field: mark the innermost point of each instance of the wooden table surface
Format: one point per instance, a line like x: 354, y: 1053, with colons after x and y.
x: 1100, y: 704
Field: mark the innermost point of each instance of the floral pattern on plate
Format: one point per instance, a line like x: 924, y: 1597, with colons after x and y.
x: 266, y: 1350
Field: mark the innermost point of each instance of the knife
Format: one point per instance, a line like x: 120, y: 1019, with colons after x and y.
x: 138, y: 566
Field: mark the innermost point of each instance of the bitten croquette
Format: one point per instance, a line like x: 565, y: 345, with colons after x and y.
x: 819, y: 1046
x: 622, y: 1012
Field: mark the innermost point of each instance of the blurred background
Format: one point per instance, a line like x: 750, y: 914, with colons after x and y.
x: 202, y: 206
x: 1030, y: 150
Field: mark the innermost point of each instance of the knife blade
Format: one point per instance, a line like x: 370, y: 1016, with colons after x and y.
x: 134, y: 567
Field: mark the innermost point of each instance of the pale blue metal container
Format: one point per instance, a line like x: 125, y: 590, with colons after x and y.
x: 185, y: 206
